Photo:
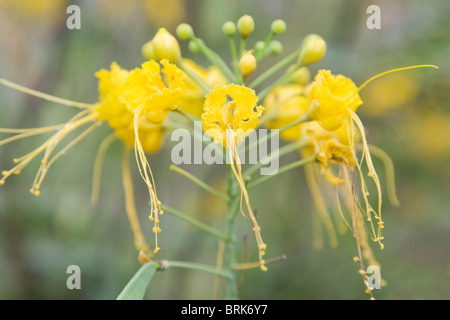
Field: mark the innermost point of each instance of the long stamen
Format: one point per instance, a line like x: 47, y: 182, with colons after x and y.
x: 72, y: 143
x: 45, y: 96
x: 395, y: 70
x: 359, y: 231
x: 139, y: 239
x: 29, y: 134
x: 98, y: 165
x: 235, y: 164
x: 321, y: 207
x: 147, y: 175
x: 52, y: 143
x: 390, y: 174
x: 48, y: 145
x: 372, y: 173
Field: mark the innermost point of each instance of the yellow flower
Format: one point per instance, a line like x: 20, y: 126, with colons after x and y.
x: 284, y: 105
x: 230, y: 107
x: 195, y: 96
x: 331, y: 97
x: 153, y: 91
x: 112, y: 109
x: 336, y: 165
x: 230, y: 112
x: 134, y: 104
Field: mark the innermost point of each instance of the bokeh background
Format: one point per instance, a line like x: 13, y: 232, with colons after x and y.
x: 406, y: 114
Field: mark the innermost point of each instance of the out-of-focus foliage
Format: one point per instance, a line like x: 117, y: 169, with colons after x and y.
x: 406, y: 114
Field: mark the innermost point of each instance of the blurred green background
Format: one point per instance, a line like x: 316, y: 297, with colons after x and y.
x: 405, y: 114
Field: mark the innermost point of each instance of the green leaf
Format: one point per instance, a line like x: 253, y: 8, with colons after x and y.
x: 135, y: 289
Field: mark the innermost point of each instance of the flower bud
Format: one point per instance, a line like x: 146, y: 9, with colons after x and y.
x: 184, y: 31
x: 193, y: 46
x: 245, y: 25
x: 229, y: 28
x: 301, y: 76
x: 260, y: 46
x: 313, y: 49
x: 275, y: 47
x: 165, y: 46
x: 247, y: 64
x: 147, y: 51
x: 278, y: 26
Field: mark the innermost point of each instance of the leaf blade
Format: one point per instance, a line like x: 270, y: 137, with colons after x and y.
x: 137, y: 286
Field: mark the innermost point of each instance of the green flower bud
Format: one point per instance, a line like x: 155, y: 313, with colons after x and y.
x: 245, y: 25
x: 165, y: 46
x: 313, y: 49
x: 278, y: 26
x: 147, y: 51
x: 275, y: 47
x: 259, y: 46
x: 229, y: 28
x: 193, y: 46
x: 184, y: 31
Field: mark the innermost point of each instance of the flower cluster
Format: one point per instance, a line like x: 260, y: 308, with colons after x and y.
x: 318, y: 115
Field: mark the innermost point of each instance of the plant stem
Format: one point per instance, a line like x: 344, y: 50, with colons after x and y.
x: 288, y: 167
x: 205, y: 86
x: 230, y: 249
x: 200, y: 183
x: 296, y: 145
x: 215, y: 59
x: 166, y: 264
x: 281, y: 64
x: 194, y: 222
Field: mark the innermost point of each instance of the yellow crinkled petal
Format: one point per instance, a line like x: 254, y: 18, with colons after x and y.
x: 330, y: 97
x: 230, y: 107
x: 154, y: 94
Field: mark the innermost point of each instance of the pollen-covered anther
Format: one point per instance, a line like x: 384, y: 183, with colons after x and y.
x: 262, y: 265
x: 156, y: 229
x: 356, y: 259
x: 381, y: 224
x: 361, y: 272
x: 156, y: 250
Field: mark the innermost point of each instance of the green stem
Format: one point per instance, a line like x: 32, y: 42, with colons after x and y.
x: 215, y: 59
x: 273, y: 133
x: 281, y: 81
x: 200, y: 183
x: 293, y: 146
x: 281, y: 64
x: 205, y: 87
x: 188, y: 116
x: 166, y: 264
x: 234, y: 56
x: 288, y: 167
x: 230, y: 249
x: 263, y: 52
x: 194, y: 222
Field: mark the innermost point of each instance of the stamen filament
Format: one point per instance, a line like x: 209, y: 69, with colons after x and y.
x: 147, y: 175
x: 139, y: 239
x: 98, y: 165
x: 45, y: 96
